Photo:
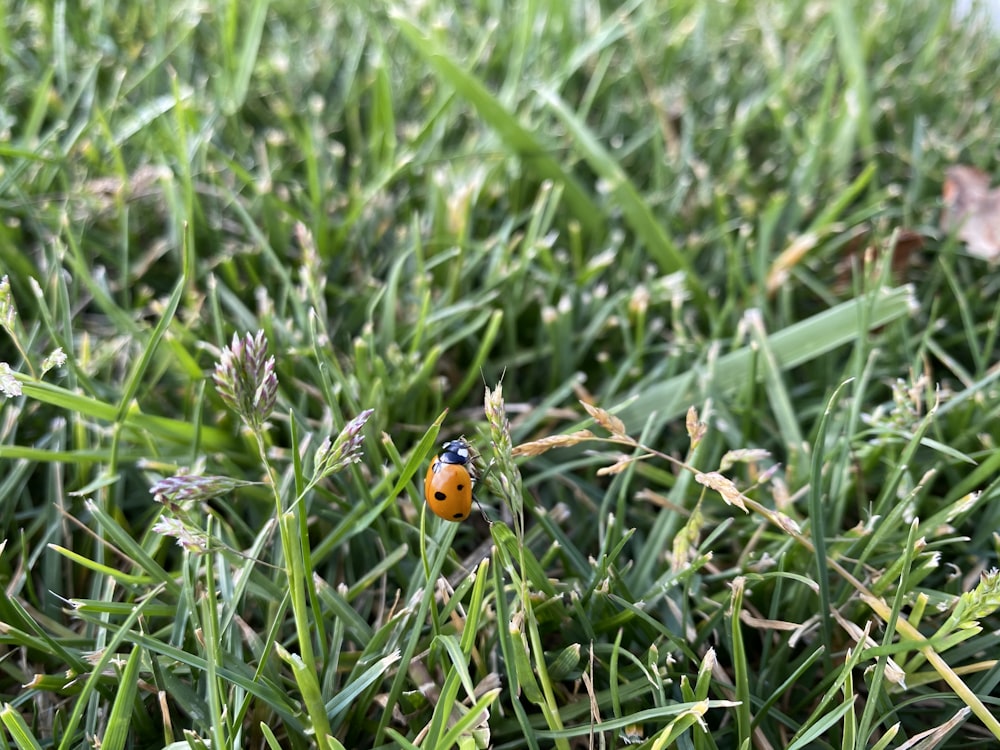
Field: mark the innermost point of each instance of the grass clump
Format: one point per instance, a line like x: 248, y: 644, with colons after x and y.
x: 739, y: 483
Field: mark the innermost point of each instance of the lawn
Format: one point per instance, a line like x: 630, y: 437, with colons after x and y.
x: 676, y: 270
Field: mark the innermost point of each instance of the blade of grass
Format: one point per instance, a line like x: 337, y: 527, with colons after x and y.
x: 121, y: 710
x: 517, y: 138
x: 18, y: 728
x: 636, y: 210
x: 792, y: 346
x: 744, y: 720
x: 818, y: 519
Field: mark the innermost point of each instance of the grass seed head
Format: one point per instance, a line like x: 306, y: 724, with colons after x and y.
x: 245, y: 379
x: 542, y: 445
x: 9, y: 385
x: 605, y: 419
x: 345, y: 450
x: 8, y: 311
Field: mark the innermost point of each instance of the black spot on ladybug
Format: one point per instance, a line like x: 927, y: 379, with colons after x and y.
x: 461, y: 487
x: 439, y: 495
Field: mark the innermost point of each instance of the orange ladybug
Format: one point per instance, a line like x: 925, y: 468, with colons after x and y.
x: 449, y: 481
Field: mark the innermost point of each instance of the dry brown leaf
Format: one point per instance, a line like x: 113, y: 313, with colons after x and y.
x: 863, y: 251
x: 971, y: 207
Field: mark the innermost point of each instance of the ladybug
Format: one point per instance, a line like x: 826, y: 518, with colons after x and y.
x: 449, y: 482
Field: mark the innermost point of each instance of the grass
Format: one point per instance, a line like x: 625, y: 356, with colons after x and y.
x: 739, y: 469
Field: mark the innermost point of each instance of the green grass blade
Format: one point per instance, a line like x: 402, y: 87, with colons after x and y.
x: 117, y: 732
x: 792, y: 346
x: 517, y: 138
x: 650, y: 230
x: 18, y: 728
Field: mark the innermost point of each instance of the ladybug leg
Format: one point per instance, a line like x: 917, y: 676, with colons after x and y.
x: 476, y: 480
